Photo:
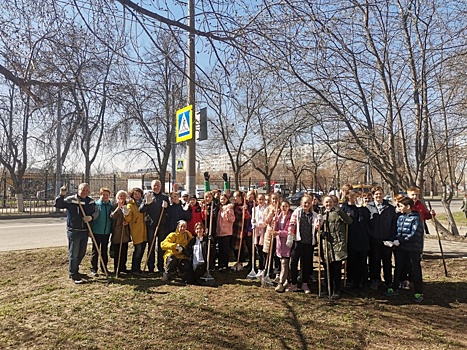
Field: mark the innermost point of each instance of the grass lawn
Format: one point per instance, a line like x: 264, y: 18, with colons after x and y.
x: 40, y: 308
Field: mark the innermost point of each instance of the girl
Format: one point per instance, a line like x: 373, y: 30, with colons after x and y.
x: 282, y: 250
x: 120, y: 233
x: 225, y: 220
x: 260, y: 226
x: 270, y: 215
x: 242, y: 217
x: 137, y: 225
x: 334, y: 235
x: 302, y: 239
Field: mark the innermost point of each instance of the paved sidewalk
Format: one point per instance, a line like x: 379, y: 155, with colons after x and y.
x: 451, y: 249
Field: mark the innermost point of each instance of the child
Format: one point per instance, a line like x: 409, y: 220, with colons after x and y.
x: 333, y: 232
x: 282, y: 250
x: 302, y: 239
x: 409, y: 247
x: 197, y: 251
x: 358, y: 242
x: 414, y: 193
x: 225, y: 220
x: 196, y: 213
x: 260, y: 225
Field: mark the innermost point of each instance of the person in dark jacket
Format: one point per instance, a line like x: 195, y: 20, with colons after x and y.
x: 177, y: 212
x: 383, y: 220
x: 76, y: 222
x: 358, y: 243
x: 154, y: 205
x: 409, y: 247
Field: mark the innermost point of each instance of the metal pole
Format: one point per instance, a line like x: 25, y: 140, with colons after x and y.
x: 174, y: 143
x: 191, y: 144
x: 58, y: 178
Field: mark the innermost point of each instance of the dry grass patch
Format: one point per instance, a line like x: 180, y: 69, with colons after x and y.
x: 41, y: 309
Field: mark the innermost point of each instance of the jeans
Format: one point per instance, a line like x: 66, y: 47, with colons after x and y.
x: 412, y: 259
x: 77, y: 244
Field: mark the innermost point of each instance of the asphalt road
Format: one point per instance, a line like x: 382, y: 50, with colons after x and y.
x: 18, y: 234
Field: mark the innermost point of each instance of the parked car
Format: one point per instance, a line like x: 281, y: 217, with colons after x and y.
x: 297, y: 197
x: 281, y: 189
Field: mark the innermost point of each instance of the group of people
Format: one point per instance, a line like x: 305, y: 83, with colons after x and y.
x: 277, y: 243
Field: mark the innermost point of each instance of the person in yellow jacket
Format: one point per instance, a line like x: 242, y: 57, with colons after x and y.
x: 137, y: 225
x: 174, y: 246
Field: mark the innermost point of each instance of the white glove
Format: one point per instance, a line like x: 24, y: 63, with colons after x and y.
x: 148, y: 197
x: 164, y: 204
x: 63, y: 191
x: 289, y: 242
x: 87, y: 218
x: 179, y: 248
x: 125, y: 210
x: 254, y: 223
x: 396, y: 243
x: 388, y: 243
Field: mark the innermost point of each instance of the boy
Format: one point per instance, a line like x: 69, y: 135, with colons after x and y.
x: 413, y: 192
x: 409, y: 247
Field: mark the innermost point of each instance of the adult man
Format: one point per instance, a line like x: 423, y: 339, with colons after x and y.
x: 154, y: 204
x: 76, y: 222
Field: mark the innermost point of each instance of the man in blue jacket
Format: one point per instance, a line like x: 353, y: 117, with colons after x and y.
x: 76, y: 222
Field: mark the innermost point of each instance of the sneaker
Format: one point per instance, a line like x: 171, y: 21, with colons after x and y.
x: 165, y: 277
x: 405, y: 285
x: 418, y: 297
x: 280, y: 288
x: 292, y: 288
x: 259, y: 274
x: 374, y: 285
x: 391, y: 292
x: 94, y: 273
x: 78, y: 281
x: 305, y: 288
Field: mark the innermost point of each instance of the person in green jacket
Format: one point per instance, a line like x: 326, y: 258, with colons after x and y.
x: 334, y: 234
x: 101, y: 227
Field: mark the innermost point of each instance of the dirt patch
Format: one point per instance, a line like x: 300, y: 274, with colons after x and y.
x: 41, y: 309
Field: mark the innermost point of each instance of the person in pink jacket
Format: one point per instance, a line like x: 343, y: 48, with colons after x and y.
x: 225, y: 220
x: 282, y: 251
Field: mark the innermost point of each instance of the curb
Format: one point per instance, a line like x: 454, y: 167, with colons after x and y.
x: 32, y: 216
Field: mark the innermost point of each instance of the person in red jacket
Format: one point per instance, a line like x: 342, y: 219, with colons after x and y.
x: 413, y: 192
x: 196, y: 213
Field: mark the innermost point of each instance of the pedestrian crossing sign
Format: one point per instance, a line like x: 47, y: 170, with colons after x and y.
x: 184, y: 124
x: 180, y: 165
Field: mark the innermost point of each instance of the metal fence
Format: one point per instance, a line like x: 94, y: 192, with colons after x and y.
x: 39, y: 188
